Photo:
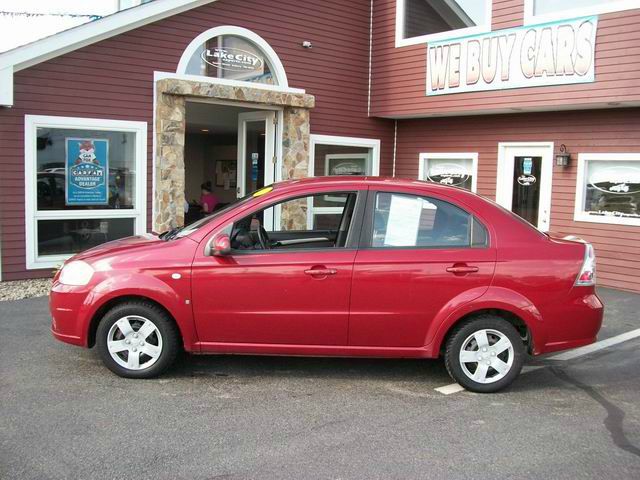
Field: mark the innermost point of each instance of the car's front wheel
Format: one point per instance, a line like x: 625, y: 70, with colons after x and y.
x: 484, y: 354
x: 137, y: 340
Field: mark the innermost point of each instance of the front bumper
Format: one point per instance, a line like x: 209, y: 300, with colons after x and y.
x: 70, y: 314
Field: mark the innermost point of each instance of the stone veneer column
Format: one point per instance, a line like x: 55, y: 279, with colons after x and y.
x: 295, y: 143
x: 170, y: 174
x: 171, y: 97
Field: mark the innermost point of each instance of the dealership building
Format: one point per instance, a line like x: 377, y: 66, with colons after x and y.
x: 110, y: 128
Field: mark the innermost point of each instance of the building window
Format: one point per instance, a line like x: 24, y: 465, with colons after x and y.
x: 537, y: 11
x: 333, y: 155
x: 608, y: 188
x: 455, y: 169
x: 420, y: 21
x: 402, y: 220
x: 85, y: 185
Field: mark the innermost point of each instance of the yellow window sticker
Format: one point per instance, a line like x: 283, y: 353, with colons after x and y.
x: 262, y: 191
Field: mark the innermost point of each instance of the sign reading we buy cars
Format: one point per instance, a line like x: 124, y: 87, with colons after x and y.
x: 556, y: 53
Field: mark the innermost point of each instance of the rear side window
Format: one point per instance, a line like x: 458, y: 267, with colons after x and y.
x: 401, y: 220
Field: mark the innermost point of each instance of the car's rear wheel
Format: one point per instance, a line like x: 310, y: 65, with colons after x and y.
x: 484, y: 354
x: 137, y: 340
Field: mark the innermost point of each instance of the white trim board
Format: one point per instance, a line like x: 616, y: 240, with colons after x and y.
x: 578, y: 214
x: 473, y: 156
x: 504, y: 182
x: 157, y: 75
x: 139, y: 213
x: 603, y: 7
x: 89, y: 33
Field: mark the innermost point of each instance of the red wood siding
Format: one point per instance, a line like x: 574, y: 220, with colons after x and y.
x: 507, y: 14
x: 399, y: 74
x: 113, y: 79
x: 593, y: 131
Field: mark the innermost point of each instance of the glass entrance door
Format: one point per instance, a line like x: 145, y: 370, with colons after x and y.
x: 256, y: 151
x: 257, y: 161
x: 524, y: 181
x: 525, y: 200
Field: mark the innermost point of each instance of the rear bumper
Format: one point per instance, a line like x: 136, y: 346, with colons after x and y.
x: 576, y: 324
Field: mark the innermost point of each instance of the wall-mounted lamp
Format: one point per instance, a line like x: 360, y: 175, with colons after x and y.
x: 562, y: 158
x: 307, y: 44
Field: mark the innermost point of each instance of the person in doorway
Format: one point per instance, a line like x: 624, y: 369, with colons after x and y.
x: 208, y: 200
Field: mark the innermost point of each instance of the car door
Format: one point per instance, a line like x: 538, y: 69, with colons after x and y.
x: 418, y: 254
x: 296, y: 292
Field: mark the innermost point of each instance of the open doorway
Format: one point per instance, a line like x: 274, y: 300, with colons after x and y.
x: 230, y: 150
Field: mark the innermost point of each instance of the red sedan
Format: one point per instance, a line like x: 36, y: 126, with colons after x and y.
x: 336, y: 266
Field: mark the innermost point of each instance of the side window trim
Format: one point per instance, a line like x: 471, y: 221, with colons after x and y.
x: 366, y: 236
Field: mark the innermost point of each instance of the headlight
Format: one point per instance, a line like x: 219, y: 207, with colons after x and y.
x: 76, y: 273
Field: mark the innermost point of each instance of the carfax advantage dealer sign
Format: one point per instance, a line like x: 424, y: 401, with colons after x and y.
x: 556, y: 53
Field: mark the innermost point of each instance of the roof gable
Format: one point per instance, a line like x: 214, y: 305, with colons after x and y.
x: 83, y: 35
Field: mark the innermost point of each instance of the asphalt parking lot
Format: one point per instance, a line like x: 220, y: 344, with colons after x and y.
x: 66, y: 416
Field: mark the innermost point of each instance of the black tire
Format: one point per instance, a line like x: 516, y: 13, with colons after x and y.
x: 169, y: 334
x: 461, y: 336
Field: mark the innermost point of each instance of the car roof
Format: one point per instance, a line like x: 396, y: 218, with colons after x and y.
x: 365, y: 181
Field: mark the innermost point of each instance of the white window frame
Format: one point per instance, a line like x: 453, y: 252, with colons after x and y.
x: 461, y: 32
x: 32, y: 215
x: 372, y: 143
x: 531, y: 19
x: 373, y: 163
x: 579, y: 214
x: 473, y: 156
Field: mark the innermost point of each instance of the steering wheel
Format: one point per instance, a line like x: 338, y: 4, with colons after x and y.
x: 263, y: 238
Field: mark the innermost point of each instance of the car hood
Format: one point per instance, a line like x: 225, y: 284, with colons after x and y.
x: 124, y: 246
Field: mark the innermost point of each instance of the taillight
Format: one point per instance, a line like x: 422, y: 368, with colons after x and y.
x: 587, y: 276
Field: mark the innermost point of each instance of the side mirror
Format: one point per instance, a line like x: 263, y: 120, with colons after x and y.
x: 220, y: 245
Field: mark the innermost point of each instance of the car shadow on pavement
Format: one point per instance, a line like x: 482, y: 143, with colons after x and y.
x: 408, y: 370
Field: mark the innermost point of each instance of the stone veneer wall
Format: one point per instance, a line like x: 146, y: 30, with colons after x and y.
x: 171, y: 96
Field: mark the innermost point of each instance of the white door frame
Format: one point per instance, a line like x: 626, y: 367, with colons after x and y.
x: 504, y: 186
x: 271, y: 159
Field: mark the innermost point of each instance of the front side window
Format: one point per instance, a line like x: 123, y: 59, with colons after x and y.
x: 419, y: 20
x: 568, y: 8
x: 453, y: 169
x: 292, y: 225
x: 609, y: 188
x: 85, y: 185
x: 411, y: 221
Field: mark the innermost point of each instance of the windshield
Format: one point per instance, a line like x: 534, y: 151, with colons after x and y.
x: 189, y: 229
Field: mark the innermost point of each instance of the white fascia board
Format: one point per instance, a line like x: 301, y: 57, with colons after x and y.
x: 6, y: 87
x: 92, y: 32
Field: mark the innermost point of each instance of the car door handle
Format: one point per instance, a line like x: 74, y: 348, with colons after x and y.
x: 461, y: 269
x: 321, y: 272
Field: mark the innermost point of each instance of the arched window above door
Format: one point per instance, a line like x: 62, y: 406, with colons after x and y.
x: 233, y: 53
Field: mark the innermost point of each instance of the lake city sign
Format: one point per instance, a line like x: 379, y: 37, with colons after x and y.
x: 232, y: 59
x: 556, y: 53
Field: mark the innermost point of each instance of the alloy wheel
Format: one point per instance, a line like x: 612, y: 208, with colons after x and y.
x: 134, y: 342
x: 486, y: 356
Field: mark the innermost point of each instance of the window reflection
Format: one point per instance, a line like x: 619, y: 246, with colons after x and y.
x: 62, y: 237
x: 612, y: 188
x: 52, y: 175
